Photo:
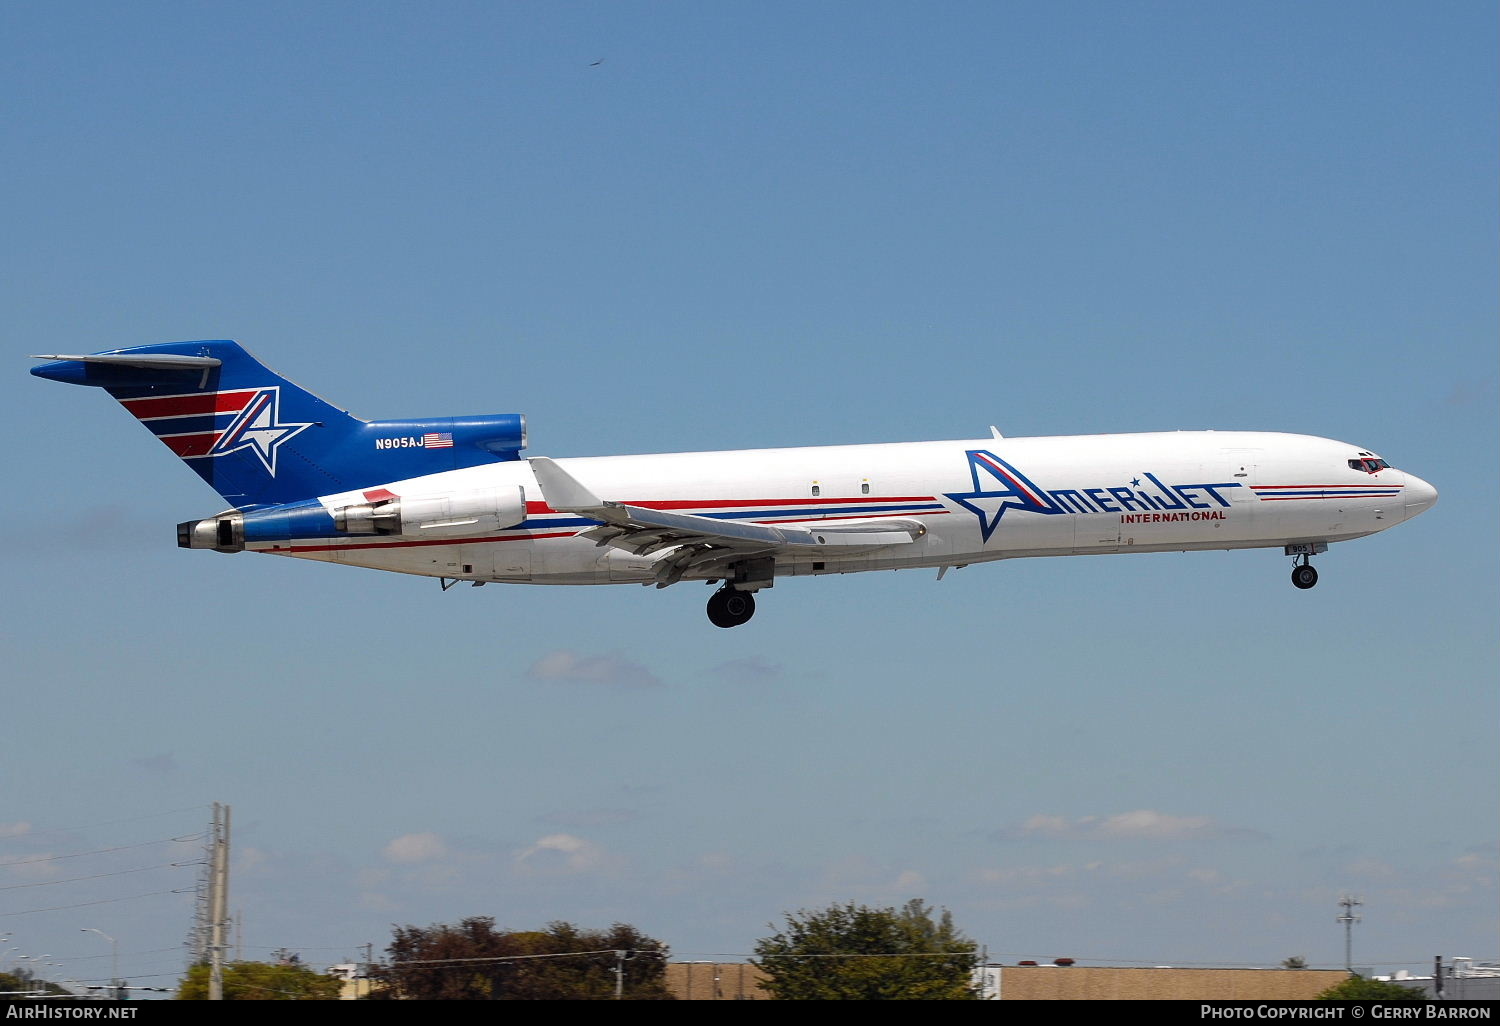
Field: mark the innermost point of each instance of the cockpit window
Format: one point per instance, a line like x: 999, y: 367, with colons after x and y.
x: 1370, y: 465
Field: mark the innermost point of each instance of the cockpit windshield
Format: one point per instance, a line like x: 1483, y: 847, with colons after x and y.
x: 1369, y: 464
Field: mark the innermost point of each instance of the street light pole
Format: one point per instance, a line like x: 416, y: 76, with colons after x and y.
x: 114, y: 957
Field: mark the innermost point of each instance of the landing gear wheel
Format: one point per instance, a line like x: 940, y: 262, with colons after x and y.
x: 730, y: 608
x: 1304, y: 576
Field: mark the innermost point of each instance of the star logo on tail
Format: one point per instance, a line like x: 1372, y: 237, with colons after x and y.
x: 258, y: 428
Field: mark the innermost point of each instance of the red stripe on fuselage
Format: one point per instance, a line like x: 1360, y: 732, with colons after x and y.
x: 533, y: 508
x: 1346, y: 487
x: 418, y: 544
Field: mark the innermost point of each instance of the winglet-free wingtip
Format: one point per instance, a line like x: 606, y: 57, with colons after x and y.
x: 560, y: 489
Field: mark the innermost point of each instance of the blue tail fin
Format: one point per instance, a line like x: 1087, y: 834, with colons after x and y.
x: 260, y: 440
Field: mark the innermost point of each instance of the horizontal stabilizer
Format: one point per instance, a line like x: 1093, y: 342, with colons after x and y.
x: 165, y: 362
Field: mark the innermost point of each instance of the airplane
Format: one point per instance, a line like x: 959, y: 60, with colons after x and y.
x: 453, y: 498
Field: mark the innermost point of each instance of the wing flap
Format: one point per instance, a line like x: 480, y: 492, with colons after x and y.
x: 642, y: 531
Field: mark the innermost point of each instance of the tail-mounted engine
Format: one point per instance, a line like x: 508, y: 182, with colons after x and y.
x: 401, y: 516
x: 419, y: 516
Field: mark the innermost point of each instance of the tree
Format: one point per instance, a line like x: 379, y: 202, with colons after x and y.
x: 1294, y: 962
x: 13, y: 984
x: 1357, y: 988
x: 262, y: 981
x: 857, y: 953
x: 473, y: 961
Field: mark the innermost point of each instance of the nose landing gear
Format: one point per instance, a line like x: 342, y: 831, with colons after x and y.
x: 1303, y: 574
x: 730, y: 607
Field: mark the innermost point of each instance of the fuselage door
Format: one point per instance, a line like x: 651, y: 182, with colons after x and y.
x: 1243, y: 465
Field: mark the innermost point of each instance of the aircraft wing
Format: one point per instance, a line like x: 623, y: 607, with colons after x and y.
x: 706, y: 544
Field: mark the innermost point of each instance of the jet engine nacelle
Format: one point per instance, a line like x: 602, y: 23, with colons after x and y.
x: 405, y: 516
x: 422, y: 516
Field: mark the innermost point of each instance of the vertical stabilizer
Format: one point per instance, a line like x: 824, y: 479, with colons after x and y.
x: 259, y: 439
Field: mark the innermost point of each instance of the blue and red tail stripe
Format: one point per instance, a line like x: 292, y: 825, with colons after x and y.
x: 193, y: 425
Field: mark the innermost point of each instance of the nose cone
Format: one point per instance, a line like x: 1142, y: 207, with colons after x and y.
x: 1418, y: 495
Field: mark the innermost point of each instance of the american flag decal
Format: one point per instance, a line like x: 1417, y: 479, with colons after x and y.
x: 437, y: 440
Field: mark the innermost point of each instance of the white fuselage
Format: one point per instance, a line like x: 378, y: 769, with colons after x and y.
x: 979, y: 499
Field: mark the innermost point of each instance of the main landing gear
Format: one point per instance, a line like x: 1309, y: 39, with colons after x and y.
x: 730, y: 607
x: 1304, y: 574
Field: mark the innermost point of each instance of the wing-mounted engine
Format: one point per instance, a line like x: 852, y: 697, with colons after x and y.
x: 425, y: 516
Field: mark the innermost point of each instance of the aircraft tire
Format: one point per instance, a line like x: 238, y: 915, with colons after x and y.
x: 1304, y: 576
x: 730, y: 608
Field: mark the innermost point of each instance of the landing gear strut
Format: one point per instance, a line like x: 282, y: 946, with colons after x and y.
x: 730, y: 607
x: 1304, y: 575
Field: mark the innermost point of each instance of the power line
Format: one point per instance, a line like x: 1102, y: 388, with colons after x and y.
x: 86, y: 904
x: 96, y: 876
x: 438, y: 963
x: 113, y: 822
x: 98, y: 851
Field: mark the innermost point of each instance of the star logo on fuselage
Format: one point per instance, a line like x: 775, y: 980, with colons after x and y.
x: 259, y: 429
x: 998, y: 486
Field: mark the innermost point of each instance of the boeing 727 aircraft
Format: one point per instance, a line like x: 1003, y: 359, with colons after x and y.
x: 452, y: 498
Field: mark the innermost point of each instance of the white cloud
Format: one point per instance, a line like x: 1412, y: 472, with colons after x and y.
x: 30, y: 867
x: 910, y: 881
x: 1369, y: 868
x: 749, y: 671
x: 566, y: 851
x: 1149, y: 823
x: 1047, y: 825
x: 416, y: 848
x: 612, y: 670
x: 15, y: 829
x: 248, y: 857
x: 1138, y: 824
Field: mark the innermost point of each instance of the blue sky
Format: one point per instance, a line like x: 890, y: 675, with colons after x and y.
x: 660, y: 226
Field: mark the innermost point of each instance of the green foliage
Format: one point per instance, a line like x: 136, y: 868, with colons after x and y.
x: 475, y: 962
x: 816, y: 956
x: 261, y: 981
x: 1357, y: 988
x: 23, y: 981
